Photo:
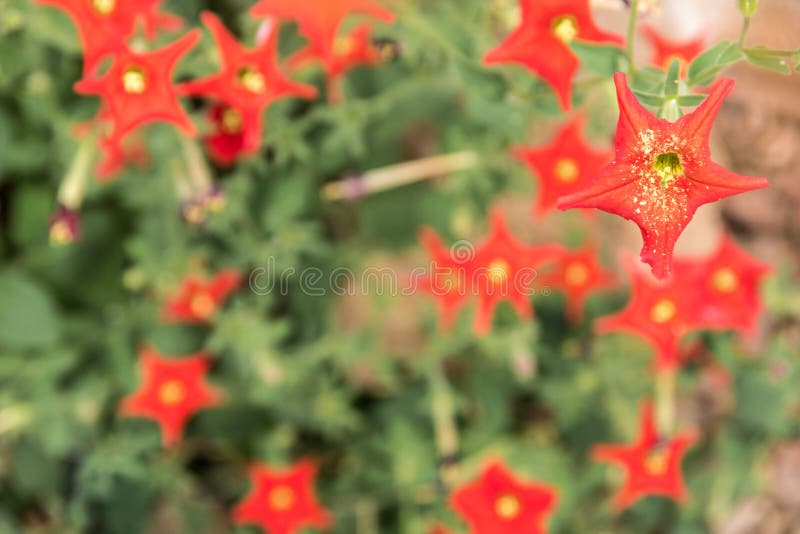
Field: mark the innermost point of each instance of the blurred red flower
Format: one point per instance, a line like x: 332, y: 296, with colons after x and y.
x: 282, y: 501
x: 541, y: 42
x: 666, y: 50
x: 447, y: 281
x: 652, y: 463
x: 198, y: 300
x: 578, y: 274
x: 499, y: 503
x: 172, y: 390
x: 564, y: 166
x: 662, y: 173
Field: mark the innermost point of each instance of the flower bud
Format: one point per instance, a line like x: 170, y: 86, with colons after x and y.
x: 748, y: 7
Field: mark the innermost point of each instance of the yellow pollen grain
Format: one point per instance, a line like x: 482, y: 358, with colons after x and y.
x: 134, y: 80
x: 171, y: 392
x: 725, y: 280
x: 203, y: 306
x: 566, y: 170
x: 252, y: 80
x: 507, y: 507
x: 281, y: 498
x: 231, y: 121
x: 576, y: 274
x: 498, y: 271
x: 663, y: 312
x: 104, y: 7
x: 565, y: 28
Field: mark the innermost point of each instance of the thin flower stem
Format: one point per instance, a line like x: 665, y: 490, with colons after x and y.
x: 631, y: 36
x: 444, y: 425
x: 666, y: 386
x: 744, y: 32
x: 73, y: 186
x: 393, y: 176
x: 198, y: 171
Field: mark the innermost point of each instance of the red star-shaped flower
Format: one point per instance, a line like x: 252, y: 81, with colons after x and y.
x: 499, y: 503
x: 725, y: 287
x: 661, y: 174
x: 249, y: 80
x: 578, y: 274
x: 666, y: 50
x: 652, y: 463
x: 566, y: 165
x: 282, y: 501
x: 198, y: 300
x: 447, y: 279
x: 226, y: 143
x: 321, y: 21
x: 659, y: 311
x: 505, y: 269
x: 172, y: 390
x: 104, y: 26
x: 541, y: 42
x: 138, y: 88
x: 349, y: 51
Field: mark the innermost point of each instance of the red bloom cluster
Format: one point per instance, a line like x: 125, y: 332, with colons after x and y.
x: 652, y: 463
x: 718, y: 292
x: 172, y: 391
x: 198, y: 300
x: 501, y: 268
x: 282, y: 501
x: 661, y: 174
x: 565, y: 166
x: 541, y: 42
x: 499, y: 503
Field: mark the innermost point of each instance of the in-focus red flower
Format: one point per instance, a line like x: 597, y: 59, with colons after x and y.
x: 652, y: 463
x: 505, y: 269
x: 578, y: 274
x: 541, y: 42
x: 226, y: 143
x: 249, y: 81
x: 564, y: 166
x: 104, y: 26
x: 282, y: 501
x: 665, y: 50
x: 659, y: 311
x: 172, y: 390
x: 321, y: 21
x: 447, y: 280
x: 725, y: 288
x: 198, y: 300
x: 661, y: 174
x: 351, y: 50
x: 500, y: 503
x: 138, y: 89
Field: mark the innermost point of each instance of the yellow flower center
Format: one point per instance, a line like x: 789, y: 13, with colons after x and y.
x: 576, y: 274
x: 134, y: 80
x: 566, y: 170
x: 663, y: 312
x: 725, y: 280
x: 507, y: 507
x: 344, y: 46
x: 281, y: 498
x: 498, y: 271
x: 668, y: 167
x: 657, y: 462
x: 252, y: 80
x: 565, y: 28
x: 171, y: 392
x: 203, y: 306
x: 104, y: 7
x: 231, y: 121
x: 61, y: 233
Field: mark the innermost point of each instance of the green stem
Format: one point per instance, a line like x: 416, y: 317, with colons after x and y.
x: 73, y: 186
x: 444, y: 425
x: 631, y: 36
x: 666, y: 387
x: 199, y: 173
x: 744, y: 32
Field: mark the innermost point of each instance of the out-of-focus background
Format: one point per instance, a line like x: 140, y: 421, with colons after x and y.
x: 395, y: 411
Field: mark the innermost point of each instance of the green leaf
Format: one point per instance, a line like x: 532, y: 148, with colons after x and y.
x: 762, y: 58
x: 707, y: 65
x: 650, y: 99
x: 673, y: 79
x: 603, y: 59
x: 691, y: 100
x: 27, y: 316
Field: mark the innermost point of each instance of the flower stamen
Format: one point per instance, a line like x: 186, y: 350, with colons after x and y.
x: 171, y: 392
x: 566, y: 170
x: 104, y: 7
x: 252, y: 80
x: 507, y: 507
x: 565, y: 28
x: 134, y: 80
x: 281, y: 498
x: 668, y: 167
